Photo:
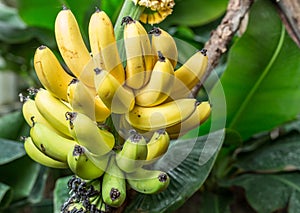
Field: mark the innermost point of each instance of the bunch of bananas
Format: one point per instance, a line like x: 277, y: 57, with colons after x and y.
x: 101, y: 119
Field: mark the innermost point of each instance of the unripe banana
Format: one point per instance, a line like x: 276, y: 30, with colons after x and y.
x: 157, y: 146
x: 82, y: 100
x: 189, y: 74
x: 113, y: 185
x: 159, y: 86
x: 53, y: 110
x: 50, y: 143
x: 82, y: 166
x: 35, y: 154
x: 88, y: 134
x: 161, y: 116
x: 117, y: 97
x: 50, y: 73
x: 71, y: 44
x: 104, y: 46
x: 133, y: 153
x: 138, y: 53
x: 199, y: 116
x: 162, y: 41
x: 148, y: 181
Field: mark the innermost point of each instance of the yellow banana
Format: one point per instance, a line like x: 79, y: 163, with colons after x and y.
x: 88, y: 134
x: 162, y: 41
x: 82, y: 166
x: 31, y: 112
x: 117, y: 97
x: 35, y: 154
x: 161, y: 116
x: 157, y: 146
x: 50, y: 73
x: 189, y: 74
x: 71, y: 44
x: 148, y: 181
x: 82, y: 100
x: 159, y: 86
x: 138, y: 53
x: 199, y: 116
x: 133, y: 153
x: 113, y: 185
x: 53, y: 110
x: 50, y: 143
x: 104, y: 46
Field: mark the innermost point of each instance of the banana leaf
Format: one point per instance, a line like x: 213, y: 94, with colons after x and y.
x: 261, y: 81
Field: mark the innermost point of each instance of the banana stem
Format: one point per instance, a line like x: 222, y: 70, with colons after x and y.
x: 128, y: 9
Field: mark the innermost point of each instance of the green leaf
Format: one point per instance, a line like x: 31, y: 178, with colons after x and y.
x: 20, y: 175
x: 281, y: 155
x: 5, y: 195
x: 61, y: 193
x: 11, y: 124
x: 214, y: 203
x: 196, y: 12
x: 112, y: 8
x: 269, y: 192
x: 261, y: 82
x: 188, y: 163
x: 10, y: 151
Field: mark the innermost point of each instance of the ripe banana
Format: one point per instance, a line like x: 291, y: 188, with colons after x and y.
x: 50, y: 143
x: 82, y: 100
x: 162, y: 41
x: 189, y: 74
x: 82, y: 166
x: 157, y: 146
x: 148, y: 181
x: 104, y: 46
x: 199, y: 116
x: 161, y: 116
x: 30, y: 112
x: 113, y: 185
x: 159, y: 86
x: 50, y: 73
x: 117, y: 97
x: 86, y: 133
x: 35, y: 154
x: 133, y: 153
x: 138, y: 53
x: 53, y: 110
x: 70, y: 43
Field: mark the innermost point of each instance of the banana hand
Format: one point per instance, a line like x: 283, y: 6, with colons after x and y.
x: 148, y: 181
x: 35, y: 154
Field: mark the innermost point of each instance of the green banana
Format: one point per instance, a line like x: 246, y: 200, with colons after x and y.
x: 82, y: 166
x: 133, y: 153
x: 35, y: 154
x: 88, y: 134
x: 148, y: 181
x: 50, y: 143
x: 114, y: 185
